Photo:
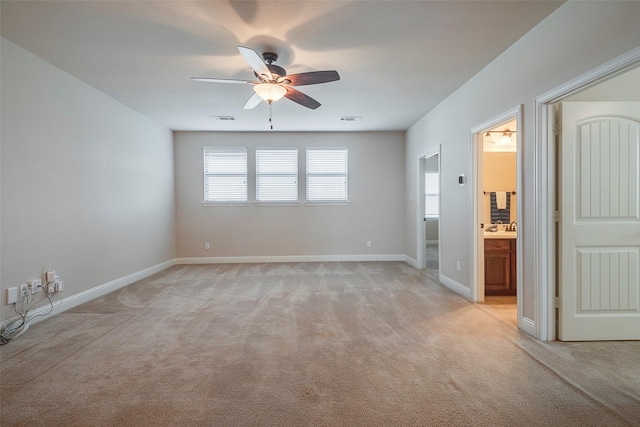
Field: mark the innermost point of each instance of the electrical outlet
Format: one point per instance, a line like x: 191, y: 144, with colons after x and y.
x: 59, y: 285
x: 458, y: 268
x: 24, y: 290
x: 368, y: 243
x: 35, y: 285
x: 207, y: 246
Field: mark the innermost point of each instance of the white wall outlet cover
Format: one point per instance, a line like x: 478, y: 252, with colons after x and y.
x: 462, y: 179
x: 12, y: 295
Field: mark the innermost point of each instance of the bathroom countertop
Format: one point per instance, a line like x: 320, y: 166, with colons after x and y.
x: 500, y: 234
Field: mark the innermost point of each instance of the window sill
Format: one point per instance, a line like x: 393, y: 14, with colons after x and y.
x: 276, y: 203
x: 225, y: 204
x: 327, y: 203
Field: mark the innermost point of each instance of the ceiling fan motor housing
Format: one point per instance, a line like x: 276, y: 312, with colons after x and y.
x: 275, y: 70
x: 270, y: 58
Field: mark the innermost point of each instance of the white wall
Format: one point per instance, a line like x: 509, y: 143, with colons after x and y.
x: 375, y: 211
x: 87, y: 183
x: 576, y: 38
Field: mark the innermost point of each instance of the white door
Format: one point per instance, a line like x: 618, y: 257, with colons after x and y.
x: 599, y: 231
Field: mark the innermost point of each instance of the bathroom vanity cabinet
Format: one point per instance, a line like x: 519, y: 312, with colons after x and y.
x: 500, y: 266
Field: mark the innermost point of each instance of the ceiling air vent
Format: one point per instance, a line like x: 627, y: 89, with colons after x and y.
x: 349, y: 119
x: 224, y: 118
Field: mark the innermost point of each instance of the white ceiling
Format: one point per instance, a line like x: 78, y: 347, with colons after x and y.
x: 397, y: 59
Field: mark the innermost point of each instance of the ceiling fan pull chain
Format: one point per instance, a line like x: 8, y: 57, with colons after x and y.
x: 270, y: 116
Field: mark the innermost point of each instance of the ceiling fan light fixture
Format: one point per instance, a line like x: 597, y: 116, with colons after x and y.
x: 270, y: 91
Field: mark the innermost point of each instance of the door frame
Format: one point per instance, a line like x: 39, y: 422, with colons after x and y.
x: 477, y: 252
x: 422, y: 225
x: 545, y: 171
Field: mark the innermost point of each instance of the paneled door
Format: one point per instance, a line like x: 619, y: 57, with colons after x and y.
x: 599, y: 233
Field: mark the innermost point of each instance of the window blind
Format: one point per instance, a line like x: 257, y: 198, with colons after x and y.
x: 327, y: 174
x: 431, y: 186
x: 277, y: 175
x: 225, y: 174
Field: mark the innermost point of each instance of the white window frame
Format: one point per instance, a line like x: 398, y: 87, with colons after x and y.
x: 333, y: 173
x: 238, y: 174
x: 281, y: 178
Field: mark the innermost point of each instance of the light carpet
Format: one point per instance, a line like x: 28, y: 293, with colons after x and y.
x: 321, y: 344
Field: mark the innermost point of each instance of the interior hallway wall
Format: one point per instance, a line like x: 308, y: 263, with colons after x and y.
x: 375, y: 211
x: 87, y: 183
x: 576, y: 38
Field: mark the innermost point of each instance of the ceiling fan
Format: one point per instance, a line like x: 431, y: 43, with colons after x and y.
x: 273, y: 82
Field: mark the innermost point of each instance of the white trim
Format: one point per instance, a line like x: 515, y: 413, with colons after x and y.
x: 274, y: 203
x: 420, y: 209
x: 477, y: 249
x: 327, y: 203
x: 527, y: 325
x: 90, y: 294
x: 545, y: 186
x: 544, y: 240
x: 456, y: 287
x: 412, y: 262
x: 288, y: 258
x: 432, y: 242
x: 225, y: 204
x: 605, y: 71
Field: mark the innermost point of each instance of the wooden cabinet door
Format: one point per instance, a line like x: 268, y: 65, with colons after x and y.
x: 498, y: 267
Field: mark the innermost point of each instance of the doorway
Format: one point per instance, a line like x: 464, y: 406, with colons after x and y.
x: 497, y: 206
x: 429, y: 214
x: 548, y: 217
x: 600, y: 289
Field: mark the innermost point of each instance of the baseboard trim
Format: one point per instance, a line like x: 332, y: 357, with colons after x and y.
x: 95, y: 292
x: 412, y: 262
x: 456, y: 287
x: 288, y: 258
x: 528, y: 325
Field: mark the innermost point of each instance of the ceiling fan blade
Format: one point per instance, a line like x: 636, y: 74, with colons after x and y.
x: 301, y: 98
x: 255, y: 62
x: 313, y: 78
x: 252, y: 102
x: 210, y: 80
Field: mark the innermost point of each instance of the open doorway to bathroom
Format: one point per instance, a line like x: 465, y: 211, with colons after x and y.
x: 497, y: 212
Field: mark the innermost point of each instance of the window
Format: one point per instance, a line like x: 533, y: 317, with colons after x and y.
x: 431, y: 189
x: 327, y: 175
x: 225, y: 174
x: 277, y: 175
